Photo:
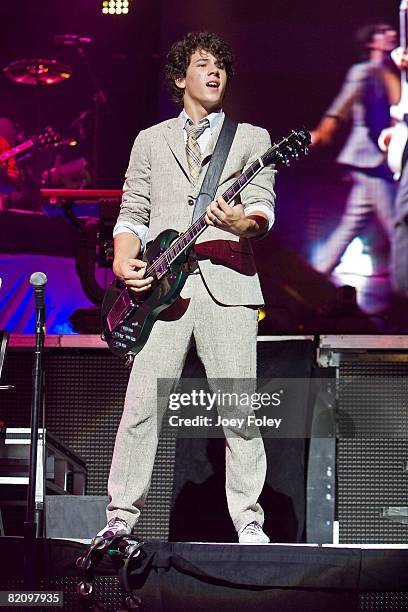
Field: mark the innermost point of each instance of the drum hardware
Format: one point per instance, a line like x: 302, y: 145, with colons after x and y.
x: 37, y: 71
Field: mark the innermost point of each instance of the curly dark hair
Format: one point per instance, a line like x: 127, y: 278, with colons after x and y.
x: 179, y: 56
x: 364, y: 36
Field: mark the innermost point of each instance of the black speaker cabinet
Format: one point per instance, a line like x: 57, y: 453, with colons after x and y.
x: 84, y: 393
x: 358, y: 468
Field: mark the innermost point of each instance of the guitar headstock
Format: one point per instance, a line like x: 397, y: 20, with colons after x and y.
x: 292, y: 146
x: 48, y: 138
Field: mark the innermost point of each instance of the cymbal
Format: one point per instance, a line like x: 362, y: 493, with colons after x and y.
x: 37, y: 71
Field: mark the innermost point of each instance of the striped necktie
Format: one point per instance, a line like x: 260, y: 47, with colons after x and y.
x: 193, y: 148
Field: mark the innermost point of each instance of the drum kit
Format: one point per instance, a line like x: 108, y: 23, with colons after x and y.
x: 37, y: 71
x: 65, y: 186
x: 42, y: 72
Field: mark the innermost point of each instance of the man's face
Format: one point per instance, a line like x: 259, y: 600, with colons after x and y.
x: 205, y: 81
x: 384, y: 39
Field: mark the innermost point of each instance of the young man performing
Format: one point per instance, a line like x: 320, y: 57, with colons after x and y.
x: 364, y: 100
x: 399, y: 239
x: 166, y: 169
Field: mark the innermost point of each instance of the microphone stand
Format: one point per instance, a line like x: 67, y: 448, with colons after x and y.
x: 32, y: 525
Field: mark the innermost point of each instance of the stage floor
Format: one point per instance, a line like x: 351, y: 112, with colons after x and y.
x: 170, y: 576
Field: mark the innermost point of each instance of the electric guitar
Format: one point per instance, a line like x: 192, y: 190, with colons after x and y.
x: 47, y: 138
x: 127, y: 317
x: 399, y: 111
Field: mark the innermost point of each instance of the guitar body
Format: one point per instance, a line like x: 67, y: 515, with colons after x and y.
x: 131, y: 332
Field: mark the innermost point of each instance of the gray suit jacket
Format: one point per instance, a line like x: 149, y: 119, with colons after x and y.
x: 363, y: 99
x: 158, y: 193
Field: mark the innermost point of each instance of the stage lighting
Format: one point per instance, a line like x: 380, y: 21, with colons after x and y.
x: 115, y: 7
x: 261, y: 314
x: 355, y: 261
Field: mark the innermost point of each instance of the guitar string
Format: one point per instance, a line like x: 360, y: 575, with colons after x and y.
x: 191, y: 230
x: 287, y: 141
x: 230, y: 193
x: 301, y: 139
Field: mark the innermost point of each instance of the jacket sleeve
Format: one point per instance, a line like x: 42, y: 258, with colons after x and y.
x: 261, y: 189
x: 350, y: 91
x: 135, y: 206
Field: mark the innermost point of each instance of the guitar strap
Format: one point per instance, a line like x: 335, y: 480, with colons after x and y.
x: 217, y: 163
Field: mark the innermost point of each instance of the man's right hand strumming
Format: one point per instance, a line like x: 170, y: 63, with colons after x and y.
x: 126, y: 267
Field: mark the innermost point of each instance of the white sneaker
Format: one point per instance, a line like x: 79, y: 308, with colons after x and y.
x: 252, y: 534
x: 116, y: 526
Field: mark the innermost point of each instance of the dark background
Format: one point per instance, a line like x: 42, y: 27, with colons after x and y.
x: 291, y: 58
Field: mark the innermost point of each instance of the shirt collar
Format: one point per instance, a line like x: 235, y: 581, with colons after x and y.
x: 214, y: 119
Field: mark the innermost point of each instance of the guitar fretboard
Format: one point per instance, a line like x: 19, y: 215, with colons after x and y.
x: 278, y: 153
x: 16, y: 150
x: 185, y: 240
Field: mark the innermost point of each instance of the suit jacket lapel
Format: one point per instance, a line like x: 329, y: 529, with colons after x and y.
x: 175, y: 140
x: 174, y: 137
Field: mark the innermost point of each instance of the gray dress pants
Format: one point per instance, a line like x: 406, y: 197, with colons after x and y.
x: 225, y: 338
x: 369, y: 195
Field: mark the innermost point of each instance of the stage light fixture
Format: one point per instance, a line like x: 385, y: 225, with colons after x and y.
x: 115, y: 7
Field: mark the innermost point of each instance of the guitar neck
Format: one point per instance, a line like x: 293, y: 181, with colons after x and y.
x: 281, y: 152
x: 16, y: 150
x: 187, y: 239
